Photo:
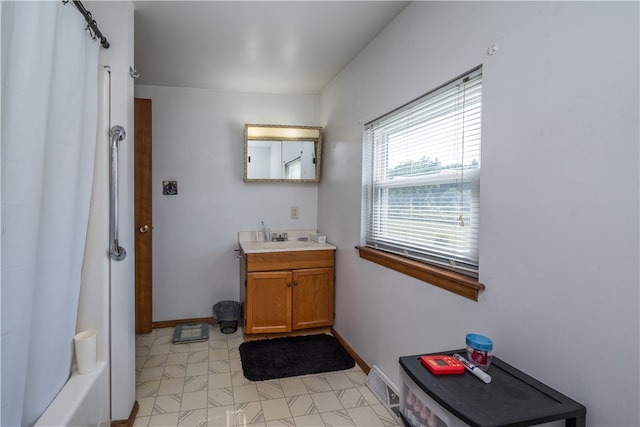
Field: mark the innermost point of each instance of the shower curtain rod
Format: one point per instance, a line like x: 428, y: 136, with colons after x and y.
x: 90, y: 22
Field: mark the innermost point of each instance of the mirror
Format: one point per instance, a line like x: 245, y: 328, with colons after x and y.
x: 279, y: 153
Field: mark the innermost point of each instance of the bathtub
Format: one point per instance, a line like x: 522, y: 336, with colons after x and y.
x: 83, y: 401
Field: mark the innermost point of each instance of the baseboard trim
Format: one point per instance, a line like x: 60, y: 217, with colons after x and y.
x: 132, y: 417
x: 174, y: 323
x: 361, y: 363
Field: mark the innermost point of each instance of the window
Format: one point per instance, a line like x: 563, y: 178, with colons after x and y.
x: 422, y: 178
x: 293, y: 168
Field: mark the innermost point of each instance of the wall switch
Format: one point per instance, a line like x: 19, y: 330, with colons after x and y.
x: 294, y: 212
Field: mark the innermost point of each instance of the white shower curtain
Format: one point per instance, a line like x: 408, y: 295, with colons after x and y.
x: 49, y: 113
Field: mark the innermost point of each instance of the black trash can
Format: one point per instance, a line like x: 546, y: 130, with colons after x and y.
x: 227, y: 313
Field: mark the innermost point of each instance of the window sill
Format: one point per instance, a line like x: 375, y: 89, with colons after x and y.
x: 457, y: 283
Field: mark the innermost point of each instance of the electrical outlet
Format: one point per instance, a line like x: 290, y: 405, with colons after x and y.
x: 294, y: 212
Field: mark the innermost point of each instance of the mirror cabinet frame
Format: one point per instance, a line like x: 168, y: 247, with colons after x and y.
x: 258, y: 132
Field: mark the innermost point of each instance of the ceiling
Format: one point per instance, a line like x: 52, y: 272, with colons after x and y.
x: 289, y: 47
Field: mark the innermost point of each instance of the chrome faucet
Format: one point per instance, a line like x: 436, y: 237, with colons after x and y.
x: 279, y: 237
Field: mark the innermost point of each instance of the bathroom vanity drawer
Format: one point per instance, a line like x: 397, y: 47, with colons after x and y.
x: 273, y: 261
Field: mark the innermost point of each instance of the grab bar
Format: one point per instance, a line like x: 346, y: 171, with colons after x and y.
x: 118, y: 253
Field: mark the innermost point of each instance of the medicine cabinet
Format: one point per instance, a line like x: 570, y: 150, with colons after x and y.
x: 280, y: 153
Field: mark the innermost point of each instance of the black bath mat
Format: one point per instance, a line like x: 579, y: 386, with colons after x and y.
x: 292, y: 356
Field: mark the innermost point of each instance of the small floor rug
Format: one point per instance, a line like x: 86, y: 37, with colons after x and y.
x: 293, y: 356
x: 190, y: 333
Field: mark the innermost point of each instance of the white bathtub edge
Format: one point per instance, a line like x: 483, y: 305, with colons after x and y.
x: 83, y: 401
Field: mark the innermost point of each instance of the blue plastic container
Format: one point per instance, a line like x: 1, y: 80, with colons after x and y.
x: 479, y: 350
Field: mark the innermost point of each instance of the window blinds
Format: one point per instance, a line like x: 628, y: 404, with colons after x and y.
x: 422, y: 177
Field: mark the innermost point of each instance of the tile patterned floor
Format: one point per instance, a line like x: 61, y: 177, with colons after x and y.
x: 201, y: 384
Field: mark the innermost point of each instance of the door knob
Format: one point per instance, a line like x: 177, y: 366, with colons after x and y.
x: 144, y: 228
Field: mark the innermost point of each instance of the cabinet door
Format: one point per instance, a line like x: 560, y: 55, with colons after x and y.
x: 268, y: 302
x: 312, y: 298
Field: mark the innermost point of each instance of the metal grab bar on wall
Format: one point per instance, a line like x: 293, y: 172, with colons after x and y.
x: 118, y: 253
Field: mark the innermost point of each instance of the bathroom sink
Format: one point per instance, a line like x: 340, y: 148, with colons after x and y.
x: 249, y: 244
x: 286, y: 244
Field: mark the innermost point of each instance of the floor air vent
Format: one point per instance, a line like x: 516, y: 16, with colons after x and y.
x: 385, y: 390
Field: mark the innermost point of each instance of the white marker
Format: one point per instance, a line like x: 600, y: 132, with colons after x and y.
x: 473, y: 369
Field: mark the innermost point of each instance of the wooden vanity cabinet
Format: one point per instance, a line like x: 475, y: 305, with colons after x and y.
x: 288, y: 291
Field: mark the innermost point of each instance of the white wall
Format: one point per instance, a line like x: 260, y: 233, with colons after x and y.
x: 559, y: 193
x: 115, y: 20
x: 198, y: 141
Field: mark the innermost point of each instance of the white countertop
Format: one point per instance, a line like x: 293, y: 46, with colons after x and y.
x: 248, y: 243
x: 287, y: 246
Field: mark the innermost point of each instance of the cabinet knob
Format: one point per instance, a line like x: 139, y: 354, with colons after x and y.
x: 289, y: 285
x: 295, y: 283
x: 144, y: 229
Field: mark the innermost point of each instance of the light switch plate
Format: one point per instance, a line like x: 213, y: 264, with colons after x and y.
x: 294, y: 212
